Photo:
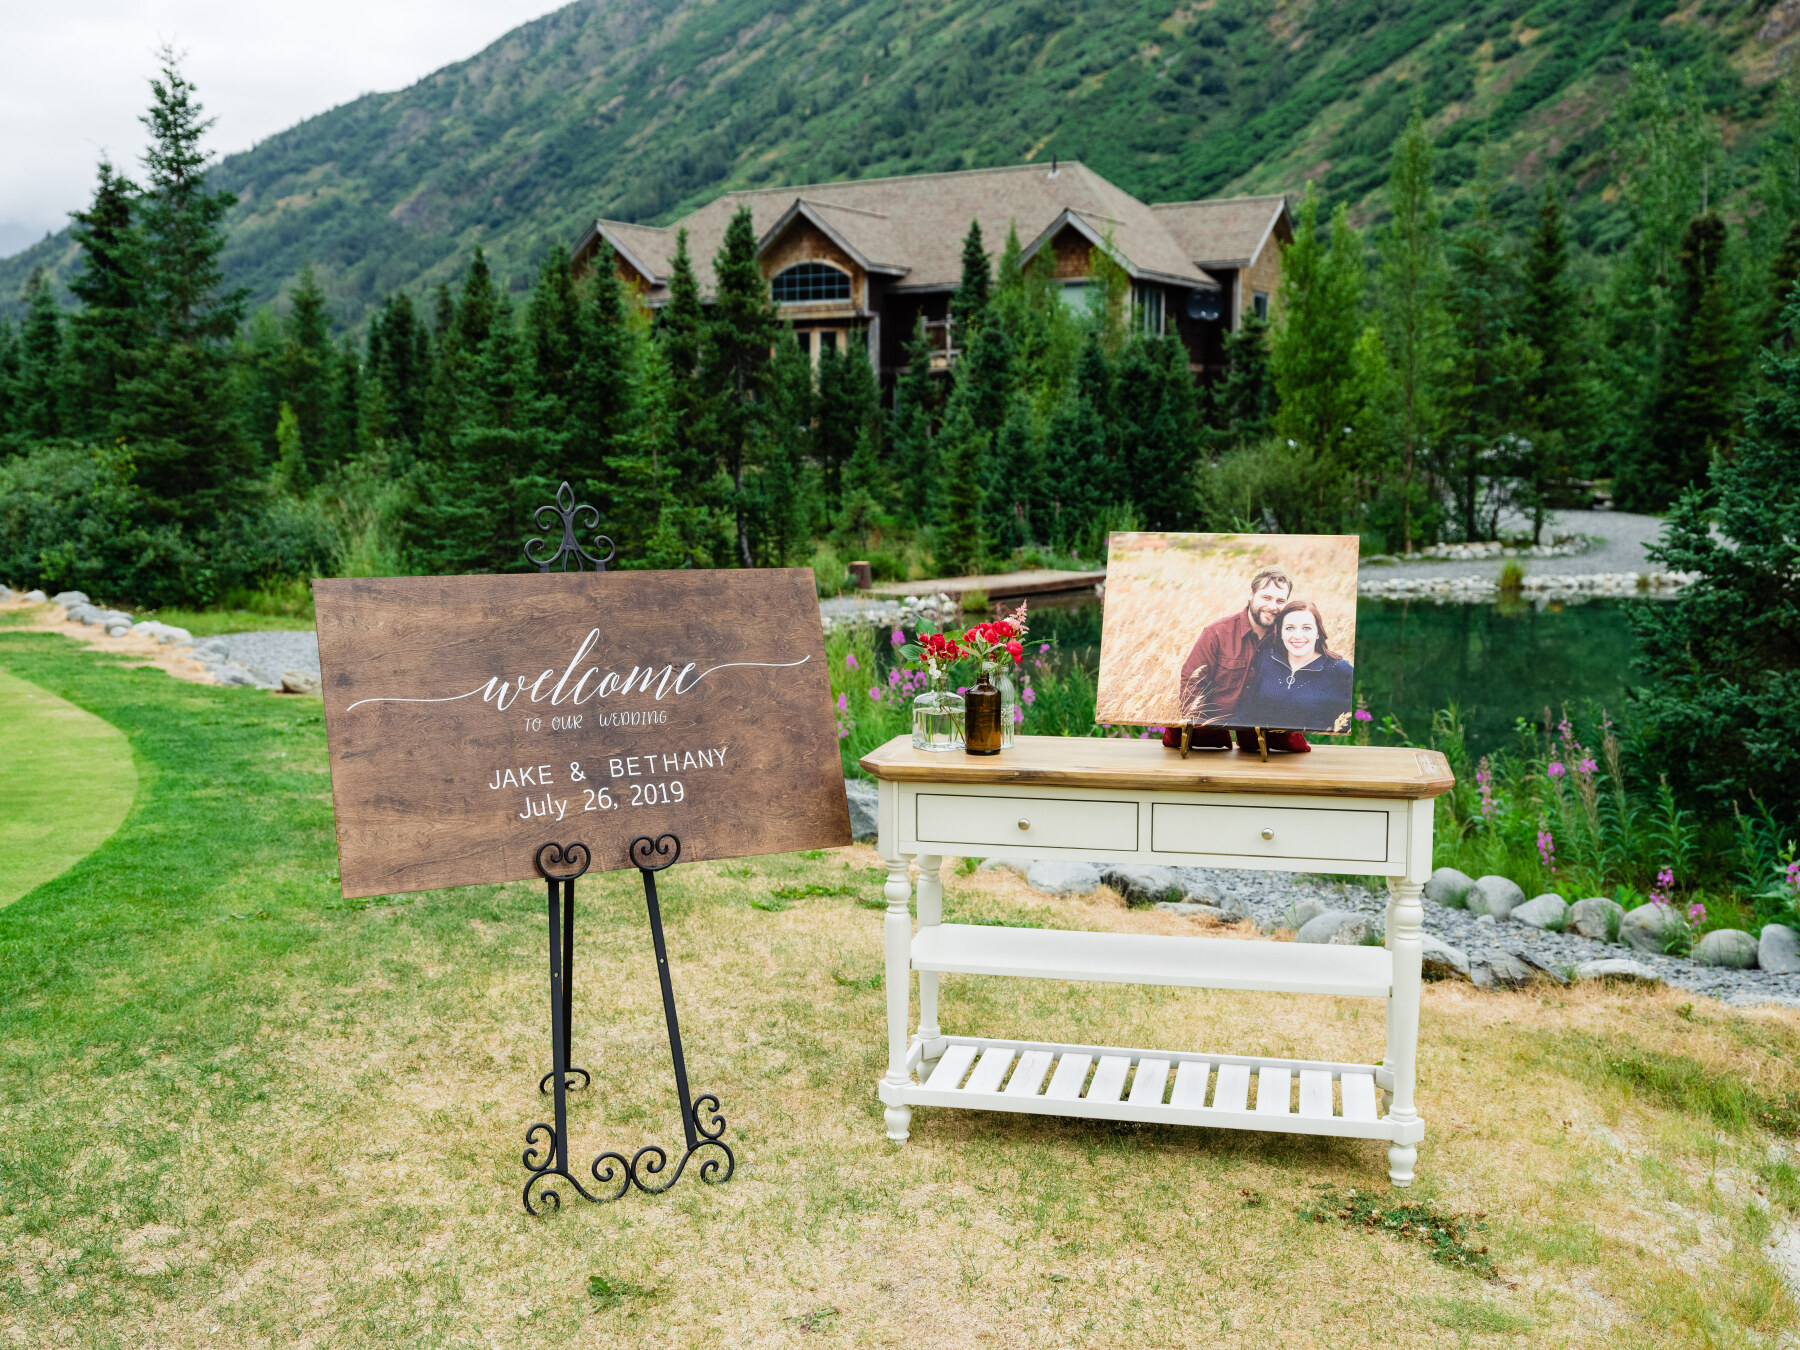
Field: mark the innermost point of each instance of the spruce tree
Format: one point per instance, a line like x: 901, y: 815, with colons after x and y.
x: 1784, y: 273
x: 910, y: 434
x: 38, y: 390
x: 1075, y: 471
x: 1014, y: 485
x: 291, y: 472
x: 862, y: 497
x: 1413, y: 322
x: 678, y: 331
x: 110, y: 325
x: 734, y: 369
x: 779, y: 489
x: 969, y: 302
x: 1691, y: 419
x: 1557, y: 399
x: 606, y: 368
x: 9, y: 386
x: 178, y: 410
x: 306, y: 364
x: 848, y: 400
x: 1320, y: 384
x: 342, y: 440
x: 553, y: 335
x: 959, y: 545
x: 1241, y: 402
x: 1156, y: 414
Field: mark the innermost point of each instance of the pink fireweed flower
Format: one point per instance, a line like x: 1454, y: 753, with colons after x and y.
x: 875, y: 693
x: 1696, y: 912
x: 1587, y: 766
x: 896, y: 638
x: 843, y: 703
x: 1665, y: 882
x: 850, y: 661
x: 1043, y: 649
x: 1556, y: 769
x: 1364, y: 715
x: 1793, y: 874
x: 1484, y: 779
x: 1546, y: 842
x: 1018, y: 713
x: 1030, y: 694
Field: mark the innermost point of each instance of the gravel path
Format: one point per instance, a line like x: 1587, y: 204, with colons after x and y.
x: 1622, y: 540
x: 264, y: 657
x: 1273, y: 898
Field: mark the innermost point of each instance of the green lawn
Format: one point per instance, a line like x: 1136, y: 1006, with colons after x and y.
x: 66, y: 781
x: 236, y: 1110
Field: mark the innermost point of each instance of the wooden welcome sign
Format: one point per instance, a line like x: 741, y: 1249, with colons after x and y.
x: 471, y: 719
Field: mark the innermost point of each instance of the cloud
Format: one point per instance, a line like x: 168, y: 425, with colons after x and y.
x: 74, y: 78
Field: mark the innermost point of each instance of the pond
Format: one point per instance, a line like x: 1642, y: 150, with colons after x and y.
x: 1497, y: 663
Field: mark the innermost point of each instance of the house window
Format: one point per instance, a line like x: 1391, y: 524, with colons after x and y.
x: 1150, y: 309
x: 805, y: 340
x: 828, y: 343
x: 1075, y: 295
x: 808, y: 282
x: 1259, y: 303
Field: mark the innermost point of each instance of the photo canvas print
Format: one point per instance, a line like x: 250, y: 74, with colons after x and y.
x: 1232, y: 630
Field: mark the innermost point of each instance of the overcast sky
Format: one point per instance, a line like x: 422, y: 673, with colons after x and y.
x: 74, y: 77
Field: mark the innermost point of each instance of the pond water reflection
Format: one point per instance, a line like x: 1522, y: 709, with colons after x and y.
x: 1495, y: 662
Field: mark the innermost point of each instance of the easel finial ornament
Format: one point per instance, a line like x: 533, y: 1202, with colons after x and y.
x: 570, y: 548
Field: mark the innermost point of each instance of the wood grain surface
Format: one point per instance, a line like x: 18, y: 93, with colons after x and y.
x: 1093, y: 762
x: 471, y: 719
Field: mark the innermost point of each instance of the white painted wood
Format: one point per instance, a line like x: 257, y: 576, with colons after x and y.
x: 1071, y: 1073
x: 1028, y: 1078
x: 1257, y: 831
x: 994, y: 1063
x: 1147, y: 1087
x: 951, y: 1068
x: 1232, y: 1092
x: 1143, y: 958
x: 1315, y: 1093
x: 1189, y: 1092
x: 1359, y: 1096
x: 1027, y: 822
x: 1109, y: 1078
x: 1272, y: 1093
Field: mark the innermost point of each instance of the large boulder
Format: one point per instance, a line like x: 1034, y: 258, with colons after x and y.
x: 1495, y: 895
x: 162, y: 632
x: 1647, y: 928
x: 1057, y: 877
x: 307, y: 682
x: 1545, y: 911
x: 864, y: 798
x: 1305, y: 912
x: 1729, y: 947
x: 1616, y: 968
x: 36, y: 597
x: 1449, y: 888
x: 1143, y: 886
x: 1491, y: 968
x: 1438, y: 960
x: 1336, y: 928
x: 1596, y: 917
x: 69, y: 598
x: 1779, y: 950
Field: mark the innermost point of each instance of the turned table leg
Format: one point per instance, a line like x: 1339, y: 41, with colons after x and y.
x: 931, y: 914
x: 1406, y: 920
x: 896, y: 927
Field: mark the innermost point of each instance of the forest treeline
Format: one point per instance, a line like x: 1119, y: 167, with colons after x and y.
x: 1420, y: 383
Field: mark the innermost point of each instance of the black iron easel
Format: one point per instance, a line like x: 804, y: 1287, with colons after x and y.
x: 560, y: 865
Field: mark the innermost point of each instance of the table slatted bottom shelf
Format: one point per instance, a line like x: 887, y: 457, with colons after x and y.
x: 1101, y: 1083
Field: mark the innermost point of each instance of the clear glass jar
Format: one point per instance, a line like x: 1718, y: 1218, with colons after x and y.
x: 1009, y: 706
x: 937, y: 718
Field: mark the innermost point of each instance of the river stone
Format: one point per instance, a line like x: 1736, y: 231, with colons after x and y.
x: 6, y: 593
x: 68, y: 598
x: 1729, y: 947
x: 1001, y: 863
x: 1596, y: 917
x: 1335, y: 928
x: 1616, y: 968
x: 36, y: 597
x: 1144, y: 886
x: 1058, y: 877
x: 1449, y: 888
x: 1497, y: 967
x: 1305, y: 912
x: 1193, y: 910
x: 1438, y: 960
x: 1779, y: 951
x: 162, y: 632
x: 1495, y: 895
x: 1545, y: 911
x: 1645, y: 928
x: 307, y: 682
x: 864, y: 797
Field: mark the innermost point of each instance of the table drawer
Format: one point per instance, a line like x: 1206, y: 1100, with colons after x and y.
x: 1269, y: 831
x: 1040, y: 822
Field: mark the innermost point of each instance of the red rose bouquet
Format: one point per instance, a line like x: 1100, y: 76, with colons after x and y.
x: 999, y: 643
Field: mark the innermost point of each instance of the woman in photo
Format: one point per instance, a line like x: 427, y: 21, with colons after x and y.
x: 1297, y: 682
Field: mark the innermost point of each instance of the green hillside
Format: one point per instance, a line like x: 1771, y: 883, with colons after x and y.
x: 640, y: 109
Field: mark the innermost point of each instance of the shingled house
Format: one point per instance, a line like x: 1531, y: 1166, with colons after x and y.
x: 863, y: 261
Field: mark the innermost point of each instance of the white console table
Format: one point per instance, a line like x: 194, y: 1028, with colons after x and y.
x: 1362, y: 810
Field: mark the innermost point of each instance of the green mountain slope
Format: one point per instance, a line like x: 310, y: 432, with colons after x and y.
x: 640, y: 109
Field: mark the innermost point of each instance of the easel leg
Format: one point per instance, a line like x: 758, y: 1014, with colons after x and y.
x: 559, y: 1027
x: 668, y: 997
x: 568, y: 997
x: 896, y: 929
x: 1403, y: 1025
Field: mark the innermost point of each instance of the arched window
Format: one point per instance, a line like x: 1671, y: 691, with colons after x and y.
x: 804, y: 283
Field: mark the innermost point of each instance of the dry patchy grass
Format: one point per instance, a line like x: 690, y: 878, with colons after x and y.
x: 367, y: 1190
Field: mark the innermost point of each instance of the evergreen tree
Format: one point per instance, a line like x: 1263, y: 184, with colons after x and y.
x: 1691, y: 419
x: 1722, y: 703
x: 178, y: 410
x: 1320, y: 381
x: 9, y: 388
x: 1074, y: 468
x: 969, y: 302
x: 914, y: 448
x: 679, y: 327
x: 1784, y: 272
x: 1556, y: 382
x: 860, y: 502
x: 848, y: 401
x: 291, y: 473
x: 405, y: 389
x: 341, y: 438
x: 959, y: 546
x: 1241, y: 402
x: 734, y: 368
x: 1014, y: 486
x: 109, y: 326
x: 1158, y: 419
x: 38, y: 389
x: 778, y: 494
x: 553, y: 336
x: 638, y: 472
x: 1108, y: 473
x: 607, y: 366
x: 1412, y: 314
x: 306, y: 364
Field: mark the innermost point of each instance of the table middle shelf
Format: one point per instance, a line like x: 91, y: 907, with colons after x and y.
x: 1150, y: 958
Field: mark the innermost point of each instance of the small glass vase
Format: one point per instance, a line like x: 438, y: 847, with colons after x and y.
x: 1009, y: 707
x: 937, y: 719
x: 983, y: 721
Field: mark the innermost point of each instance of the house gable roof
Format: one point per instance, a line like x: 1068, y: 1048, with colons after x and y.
x: 1227, y: 231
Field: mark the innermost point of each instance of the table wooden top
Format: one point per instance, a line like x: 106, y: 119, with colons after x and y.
x: 1136, y: 766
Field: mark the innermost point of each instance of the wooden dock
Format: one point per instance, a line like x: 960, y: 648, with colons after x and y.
x: 1005, y: 586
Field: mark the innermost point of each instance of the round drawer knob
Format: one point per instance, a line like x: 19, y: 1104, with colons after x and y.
x: 1268, y: 833
x: 1024, y: 824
